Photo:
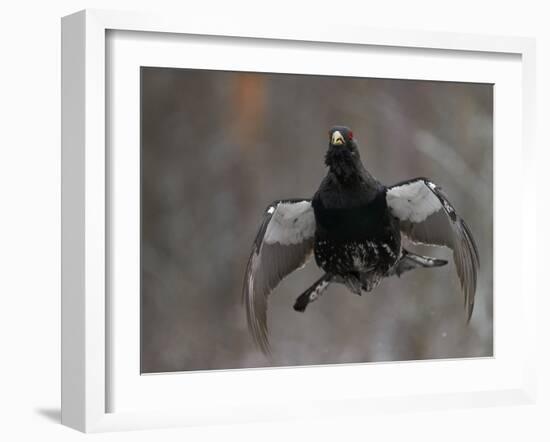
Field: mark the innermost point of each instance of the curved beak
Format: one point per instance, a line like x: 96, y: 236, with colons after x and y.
x: 337, y: 138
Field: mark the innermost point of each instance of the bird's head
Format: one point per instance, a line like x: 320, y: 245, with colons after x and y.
x: 342, y: 156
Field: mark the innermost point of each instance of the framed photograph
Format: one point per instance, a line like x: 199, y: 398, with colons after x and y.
x: 261, y: 223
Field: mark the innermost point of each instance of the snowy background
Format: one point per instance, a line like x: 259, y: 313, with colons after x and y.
x: 217, y: 147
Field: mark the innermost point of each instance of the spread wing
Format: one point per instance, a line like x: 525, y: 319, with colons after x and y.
x: 427, y: 217
x: 283, y: 244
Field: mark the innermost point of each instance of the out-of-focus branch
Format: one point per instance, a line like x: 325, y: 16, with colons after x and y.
x: 454, y: 165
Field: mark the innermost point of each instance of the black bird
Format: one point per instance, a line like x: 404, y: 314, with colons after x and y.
x: 355, y: 226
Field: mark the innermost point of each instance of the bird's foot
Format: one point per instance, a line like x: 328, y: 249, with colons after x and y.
x: 312, y: 293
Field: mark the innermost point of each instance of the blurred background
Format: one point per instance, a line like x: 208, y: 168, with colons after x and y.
x: 218, y: 147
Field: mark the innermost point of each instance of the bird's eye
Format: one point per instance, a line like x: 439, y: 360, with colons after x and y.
x: 350, y: 136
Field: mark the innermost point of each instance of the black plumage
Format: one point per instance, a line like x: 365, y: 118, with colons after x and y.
x: 355, y: 227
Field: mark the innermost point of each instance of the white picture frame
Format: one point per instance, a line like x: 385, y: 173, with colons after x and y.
x: 86, y: 317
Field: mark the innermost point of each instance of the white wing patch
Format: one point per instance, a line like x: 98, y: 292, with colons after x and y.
x: 413, y: 201
x: 291, y: 223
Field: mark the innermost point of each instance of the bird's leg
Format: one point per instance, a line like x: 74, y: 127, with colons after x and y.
x: 312, y: 293
x: 410, y: 261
